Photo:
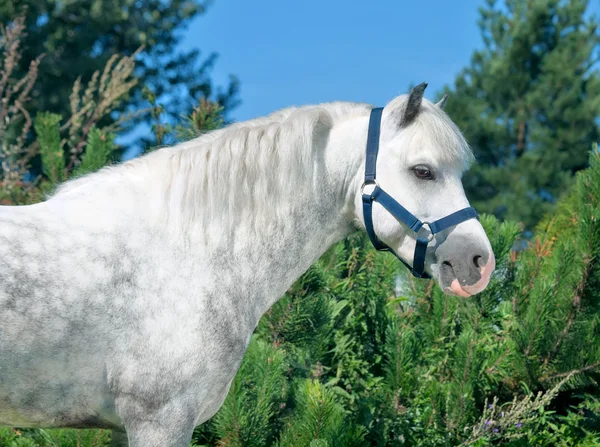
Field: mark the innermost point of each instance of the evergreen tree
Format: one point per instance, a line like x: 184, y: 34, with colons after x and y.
x: 86, y: 126
x: 68, y: 145
x: 78, y: 38
x: 528, y: 104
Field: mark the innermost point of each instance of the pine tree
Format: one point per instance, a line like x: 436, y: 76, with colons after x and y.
x: 528, y: 104
x: 67, y: 145
x: 247, y: 417
x: 78, y: 38
x: 319, y: 420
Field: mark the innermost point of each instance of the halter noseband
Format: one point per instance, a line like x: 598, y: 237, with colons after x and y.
x: 398, y: 211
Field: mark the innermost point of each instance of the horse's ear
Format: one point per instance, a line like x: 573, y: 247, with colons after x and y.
x: 413, y: 105
x: 442, y: 102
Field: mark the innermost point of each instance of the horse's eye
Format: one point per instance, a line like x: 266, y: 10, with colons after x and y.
x: 423, y: 172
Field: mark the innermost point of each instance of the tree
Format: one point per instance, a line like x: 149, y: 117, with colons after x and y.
x: 79, y: 38
x: 528, y: 104
x: 74, y: 145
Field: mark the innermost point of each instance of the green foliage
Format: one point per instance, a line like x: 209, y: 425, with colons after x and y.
x: 79, y: 38
x: 257, y: 393
x: 302, y: 318
x: 528, y: 104
x: 205, y: 116
x: 98, y: 151
x: 53, y: 438
x: 319, y: 420
x: 82, y: 138
x: 48, y: 134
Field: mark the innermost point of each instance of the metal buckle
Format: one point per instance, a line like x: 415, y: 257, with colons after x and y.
x: 430, y: 236
x: 372, y: 183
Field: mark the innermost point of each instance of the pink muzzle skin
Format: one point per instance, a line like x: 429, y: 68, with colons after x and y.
x: 486, y: 273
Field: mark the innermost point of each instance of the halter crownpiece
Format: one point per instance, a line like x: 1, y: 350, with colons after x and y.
x: 398, y: 211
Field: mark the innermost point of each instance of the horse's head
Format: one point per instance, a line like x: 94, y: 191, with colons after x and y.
x: 421, y: 158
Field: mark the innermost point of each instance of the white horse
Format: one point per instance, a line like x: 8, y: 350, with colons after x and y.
x: 128, y: 298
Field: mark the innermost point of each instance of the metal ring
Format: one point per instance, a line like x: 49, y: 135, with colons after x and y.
x: 431, y: 235
x: 369, y: 183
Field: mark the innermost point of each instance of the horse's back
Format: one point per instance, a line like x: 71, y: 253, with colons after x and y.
x: 49, y: 359
x: 102, y: 316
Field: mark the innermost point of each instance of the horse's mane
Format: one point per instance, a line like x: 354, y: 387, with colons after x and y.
x: 245, y: 166
x: 246, y: 170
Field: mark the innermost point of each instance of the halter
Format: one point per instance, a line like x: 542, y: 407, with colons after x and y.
x: 398, y: 211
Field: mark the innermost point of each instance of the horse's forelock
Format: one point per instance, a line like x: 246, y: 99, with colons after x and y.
x: 429, y: 122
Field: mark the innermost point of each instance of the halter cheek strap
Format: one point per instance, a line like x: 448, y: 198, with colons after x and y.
x: 398, y: 211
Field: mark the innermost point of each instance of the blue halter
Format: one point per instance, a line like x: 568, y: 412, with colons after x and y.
x: 397, y: 210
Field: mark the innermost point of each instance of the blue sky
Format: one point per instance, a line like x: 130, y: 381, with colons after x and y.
x: 304, y: 52
x: 288, y: 52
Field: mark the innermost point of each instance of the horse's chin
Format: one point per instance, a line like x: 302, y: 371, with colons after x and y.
x: 454, y: 287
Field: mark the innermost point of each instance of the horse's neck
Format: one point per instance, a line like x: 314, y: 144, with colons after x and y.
x: 264, y: 259
x: 267, y: 260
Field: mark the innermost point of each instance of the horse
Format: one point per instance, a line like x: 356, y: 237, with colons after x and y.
x: 128, y: 297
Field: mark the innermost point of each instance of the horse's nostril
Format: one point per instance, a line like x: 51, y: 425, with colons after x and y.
x: 447, y: 263
x: 478, y: 261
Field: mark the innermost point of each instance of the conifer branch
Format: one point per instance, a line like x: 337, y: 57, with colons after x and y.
x: 102, y: 94
x: 501, y: 357
x: 464, y: 380
x: 569, y: 374
x: 575, y: 308
x: 14, y: 117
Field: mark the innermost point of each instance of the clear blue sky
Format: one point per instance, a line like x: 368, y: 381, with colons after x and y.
x: 301, y: 52
x: 288, y: 52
